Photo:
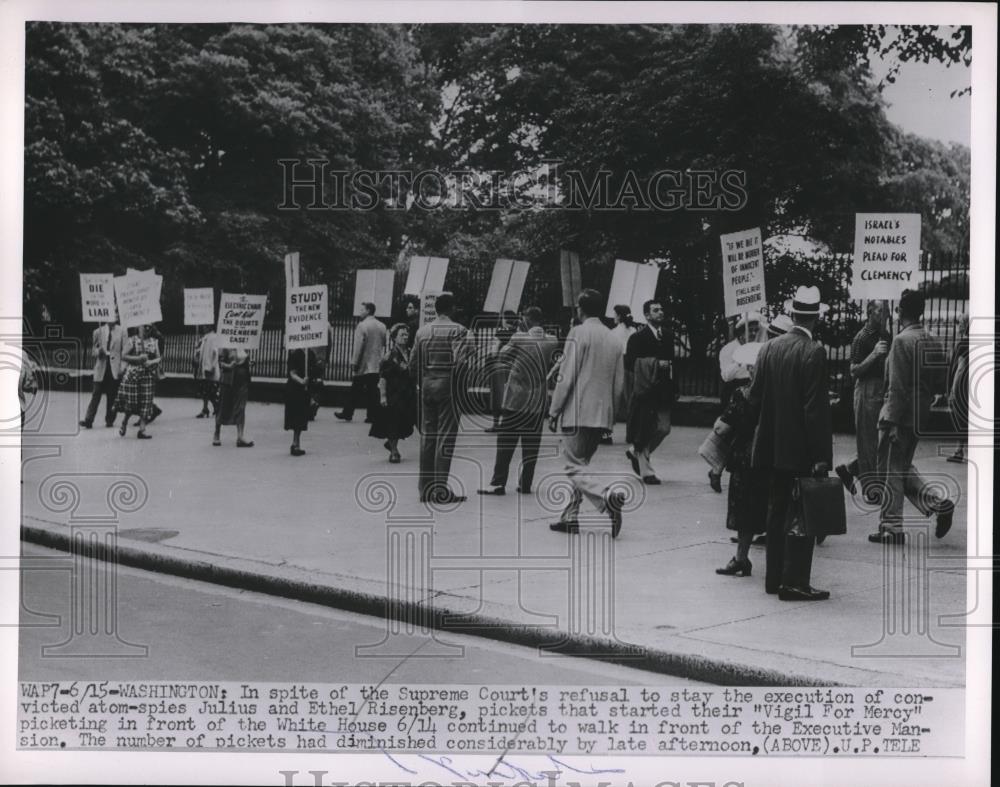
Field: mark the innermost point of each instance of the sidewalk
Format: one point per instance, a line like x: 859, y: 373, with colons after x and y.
x: 315, y: 527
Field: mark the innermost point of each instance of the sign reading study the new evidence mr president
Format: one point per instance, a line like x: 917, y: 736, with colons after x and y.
x: 886, y: 255
x: 306, y: 317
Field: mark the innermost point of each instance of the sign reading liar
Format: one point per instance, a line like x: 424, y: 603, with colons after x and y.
x: 97, y: 295
x: 138, y: 296
x: 241, y: 318
x: 199, y: 306
x: 886, y: 255
x: 743, y: 272
x: 306, y: 322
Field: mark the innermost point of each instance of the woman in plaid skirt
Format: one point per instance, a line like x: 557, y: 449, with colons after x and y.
x: 138, y: 384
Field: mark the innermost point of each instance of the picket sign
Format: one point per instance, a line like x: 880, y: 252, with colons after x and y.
x: 426, y: 274
x: 886, y: 255
x: 632, y: 284
x: 97, y: 297
x: 199, y: 306
x: 743, y: 272
x: 241, y: 319
x: 374, y: 286
x: 569, y: 274
x: 506, y: 286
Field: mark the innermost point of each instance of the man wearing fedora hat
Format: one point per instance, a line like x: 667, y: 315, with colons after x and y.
x: 790, y: 399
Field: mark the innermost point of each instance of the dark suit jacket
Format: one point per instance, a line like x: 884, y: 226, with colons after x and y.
x: 643, y: 344
x: 790, y: 400
x: 529, y: 357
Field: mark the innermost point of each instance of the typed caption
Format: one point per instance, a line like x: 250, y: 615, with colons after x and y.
x: 469, y: 719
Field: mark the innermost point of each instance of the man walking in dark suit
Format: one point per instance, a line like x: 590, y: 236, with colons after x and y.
x: 440, y: 348
x: 794, y: 439
x: 529, y: 357
x: 107, y: 343
x: 649, y: 357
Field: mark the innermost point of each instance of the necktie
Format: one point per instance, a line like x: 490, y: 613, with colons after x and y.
x: 108, y: 347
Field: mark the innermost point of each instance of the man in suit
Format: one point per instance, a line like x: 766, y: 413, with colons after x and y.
x: 790, y: 400
x: 528, y: 356
x: 649, y: 357
x: 868, y: 352
x: 106, y: 342
x: 369, y: 347
x: 439, y: 350
x: 909, y: 390
x: 591, y: 381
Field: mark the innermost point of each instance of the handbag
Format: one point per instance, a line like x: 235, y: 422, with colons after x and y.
x: 817, y: 508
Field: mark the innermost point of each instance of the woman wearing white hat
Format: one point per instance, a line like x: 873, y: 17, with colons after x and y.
x: 747, y: 504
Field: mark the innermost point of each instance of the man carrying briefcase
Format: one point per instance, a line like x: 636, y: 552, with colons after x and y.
x: 794, y: 440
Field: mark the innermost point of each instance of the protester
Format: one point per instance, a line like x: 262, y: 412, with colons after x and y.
x: 909, y: 390
x: 395, y: 416
x: 369, y: 347
x: 233, y: 393
x: 868, y: 352
x: 779, y: 326
x: 733, y: 374
x: 649, y: 359
x: 137, y: 386
x: 440, y: 349
x: 161, y: 348
x: 497, y: 367
x: 624, y: 328
x: 207, y: 372
x: 958, y: 391
x: 107, y: 344
x: 790, y: 402
x: 411, y: 312
x: 746, y: 511
x: 529, y: 356
x: 303, y: 369
x: 591, y: 380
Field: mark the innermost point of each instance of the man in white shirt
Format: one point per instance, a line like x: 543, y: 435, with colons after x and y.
x: 107, y: 348
x: 369, y: 347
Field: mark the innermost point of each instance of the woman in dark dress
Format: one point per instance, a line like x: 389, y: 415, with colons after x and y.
x: 747, y: 510
x: 304, y: 370
x: 233, y: 393
x: 397, y: 411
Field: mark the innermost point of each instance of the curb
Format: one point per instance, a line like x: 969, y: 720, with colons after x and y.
x: 368, y: 597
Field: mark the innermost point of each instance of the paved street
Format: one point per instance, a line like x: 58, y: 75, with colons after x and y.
x: 199, y: 631
x: 326, y: 519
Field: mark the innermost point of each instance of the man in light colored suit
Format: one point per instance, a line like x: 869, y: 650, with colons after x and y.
x: 440, y: 349
x: 528, y: 357
x: 107, y: 342
x: 909, y: 390
x: 591, y: 382
x: 369, y: 347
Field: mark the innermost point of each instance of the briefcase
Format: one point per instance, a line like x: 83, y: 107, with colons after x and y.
x: 818, y: 507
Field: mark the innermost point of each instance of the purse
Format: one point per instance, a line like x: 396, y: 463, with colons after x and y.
x: 817, y: 508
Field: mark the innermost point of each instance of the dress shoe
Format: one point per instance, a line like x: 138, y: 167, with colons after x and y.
x: 495, y: 490
x: 524, y: 491
x: 736, y: 568
x: 893, y: 537
x: 944, y: 516
x: 802, y: 594
x: 244, y: 443
x: 565, y: 527
x: 395, y: 459
x: 630, y: 455
x: 957, y: 457
x: 715, y: 481
x: 343, y: 417
x: 85, y: 425
x: 606, y: 440
x: 846, y: 478
x: 202, y: 414
x: 144, y: 436
x: 615, y: 502
x: 651, y: 480
x: 297, y: 451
